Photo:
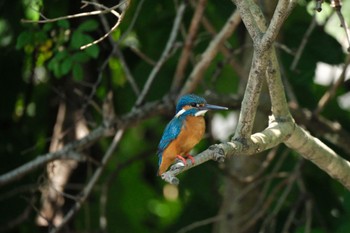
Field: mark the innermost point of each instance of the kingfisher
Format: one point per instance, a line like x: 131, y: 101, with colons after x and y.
x: 184, y: 131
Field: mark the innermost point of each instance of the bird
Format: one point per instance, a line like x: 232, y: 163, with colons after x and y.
x: 184, y: 131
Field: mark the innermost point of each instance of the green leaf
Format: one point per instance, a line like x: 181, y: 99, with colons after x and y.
x: 78, y: 72
x: 66, y: 66
x: 60, y: 55
x: 88, y: 26
x: 47, y: 26
x: 92, y: 51
x: 79, y: 39
x: 63, y: 24
x: 55, y: 68
x: 80, y: 57
x: 23, y: 39
x: 40, y: 37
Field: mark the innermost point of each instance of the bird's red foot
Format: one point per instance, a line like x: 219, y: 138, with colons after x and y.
x: 191, y: 158
x: 182, y: 159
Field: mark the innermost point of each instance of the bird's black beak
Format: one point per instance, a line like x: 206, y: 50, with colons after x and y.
x: 213, y: 107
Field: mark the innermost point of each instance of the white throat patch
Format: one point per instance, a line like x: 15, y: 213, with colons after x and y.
x: 180, y: 113
x: 201, y: 113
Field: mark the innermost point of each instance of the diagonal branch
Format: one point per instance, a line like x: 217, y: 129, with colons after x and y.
x: 321, y: 155
x: 186, y: 51
x: 273, y: 135
x: 252, y: 26
x: 211, y: 51
x: 67, y: 152
x: 275, y: 25
x: 88, y: 188
x: 288, y: 132
x: 164, y: 56
x: 251, y: 98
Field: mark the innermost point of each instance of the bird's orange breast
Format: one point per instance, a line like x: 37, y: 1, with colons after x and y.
x: 191, y: 133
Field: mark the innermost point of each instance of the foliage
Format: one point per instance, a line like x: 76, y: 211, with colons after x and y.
x: 43, y: 65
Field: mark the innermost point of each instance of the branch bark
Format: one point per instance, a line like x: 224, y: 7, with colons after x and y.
x: 282, y: 128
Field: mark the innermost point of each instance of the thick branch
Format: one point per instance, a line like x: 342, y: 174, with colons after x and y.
x: 276, y: 23
x: 273, y: 135
x: 248, y: 19
x: 251, y: 98
x: 320, y: 154
x: 277, y: 94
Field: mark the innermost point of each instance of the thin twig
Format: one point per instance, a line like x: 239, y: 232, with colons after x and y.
x: 165, y: 54
x: 88, y: 188
x: 337, y: 6
x: 302, y: 45
x: 201, y: 223
x: 64, y: 153
x: 332, y: 89
x: 186, y: 51
x: 119, y: 16
x: 143, y: 56
x: 211, y: 51
x: 132, y: 23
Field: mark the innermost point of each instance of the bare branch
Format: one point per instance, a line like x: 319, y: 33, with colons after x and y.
x: 164, y: 55
x: 258, y: 142
x: 277, y: 94
x: 186, y: 51
x: 275, y: 25
x: 125, y: 4
x: 332, y: 89
x: 302, y: 45
x: 88, y: 188
x: 251, y: 98
x: 64, y: 153
x: 248, y: 19
x: 211, y: 51
x: 320, y: 154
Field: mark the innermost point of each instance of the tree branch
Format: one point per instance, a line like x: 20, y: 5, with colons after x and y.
x: 164, y: 56
x: 275, y: 25
x: 273, y: 135
x: 243, y: 7
x: 65, y: 153
x: 320, y: 154
x: 88, y: 188
x: 251, y: 98
x: 186, y: 51
x: 211, y: 51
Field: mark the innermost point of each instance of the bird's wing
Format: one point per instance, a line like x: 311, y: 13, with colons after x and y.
x: 172, y: 130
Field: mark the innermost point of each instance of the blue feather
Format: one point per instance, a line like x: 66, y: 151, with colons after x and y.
x: 172, y: 130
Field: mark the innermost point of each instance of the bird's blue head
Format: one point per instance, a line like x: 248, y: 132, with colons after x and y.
x: 196, y: 104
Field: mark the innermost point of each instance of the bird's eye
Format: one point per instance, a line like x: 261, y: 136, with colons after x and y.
x: 194, y: 104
